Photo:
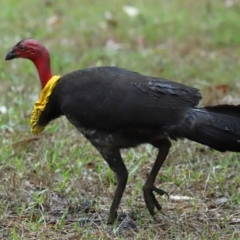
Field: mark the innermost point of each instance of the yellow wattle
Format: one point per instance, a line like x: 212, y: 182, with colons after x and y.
x: 41, y: 103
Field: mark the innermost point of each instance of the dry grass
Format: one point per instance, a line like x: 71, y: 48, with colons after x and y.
x: 56, y: 186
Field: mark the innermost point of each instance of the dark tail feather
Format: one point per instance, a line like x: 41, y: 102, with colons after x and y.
x: 217, y: 127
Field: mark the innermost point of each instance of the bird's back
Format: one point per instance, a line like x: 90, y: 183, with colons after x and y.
x: 112, y: 98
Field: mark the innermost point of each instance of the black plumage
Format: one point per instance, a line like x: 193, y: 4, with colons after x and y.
x: 115, y: 108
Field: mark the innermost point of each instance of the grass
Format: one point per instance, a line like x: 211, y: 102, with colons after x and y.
x: 52, y: 182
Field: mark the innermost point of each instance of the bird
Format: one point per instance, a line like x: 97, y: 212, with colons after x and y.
x: 115, y: 108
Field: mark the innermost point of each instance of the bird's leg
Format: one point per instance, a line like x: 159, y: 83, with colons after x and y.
x: 163, y: 146
x: 115, y: 162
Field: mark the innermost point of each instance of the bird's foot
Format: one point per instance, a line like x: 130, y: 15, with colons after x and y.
x: 112, y: 217
x: 150, y: 199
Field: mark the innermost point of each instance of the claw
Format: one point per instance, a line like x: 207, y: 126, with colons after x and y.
x: 156, y: 203
x: 150, y: 199
x: 160, y: 191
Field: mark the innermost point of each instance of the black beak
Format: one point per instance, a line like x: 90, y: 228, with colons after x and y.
x: 11, y: 55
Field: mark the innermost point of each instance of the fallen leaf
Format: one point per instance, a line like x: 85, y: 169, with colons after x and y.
x: 180, y: 198
x: 229, y: 3
x: 222, y: 87
x: 53, y: 20
x: 131, y: 11
x: 113, y: 45
x: 3, y: 109
x: 221, y: 200
x: 110, y: 19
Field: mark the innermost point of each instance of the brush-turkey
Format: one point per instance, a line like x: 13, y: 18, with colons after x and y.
x: 115, y: 108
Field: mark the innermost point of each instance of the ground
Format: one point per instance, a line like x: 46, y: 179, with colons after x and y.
x: 55, y: 185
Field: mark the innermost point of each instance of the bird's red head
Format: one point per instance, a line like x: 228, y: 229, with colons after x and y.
x: 37, y: 53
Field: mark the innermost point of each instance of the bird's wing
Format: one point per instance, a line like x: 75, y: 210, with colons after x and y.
x: 113, y: 98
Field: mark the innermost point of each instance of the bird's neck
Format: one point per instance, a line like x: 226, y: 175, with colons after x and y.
x: 43, y: 66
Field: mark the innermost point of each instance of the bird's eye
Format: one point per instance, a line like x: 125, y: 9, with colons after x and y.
x: 22, y: 47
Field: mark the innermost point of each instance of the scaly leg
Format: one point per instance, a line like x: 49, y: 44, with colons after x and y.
x: 115, y: 162
x: 163, y: 146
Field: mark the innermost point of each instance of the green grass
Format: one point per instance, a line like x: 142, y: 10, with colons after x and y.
x: 50, y: 183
